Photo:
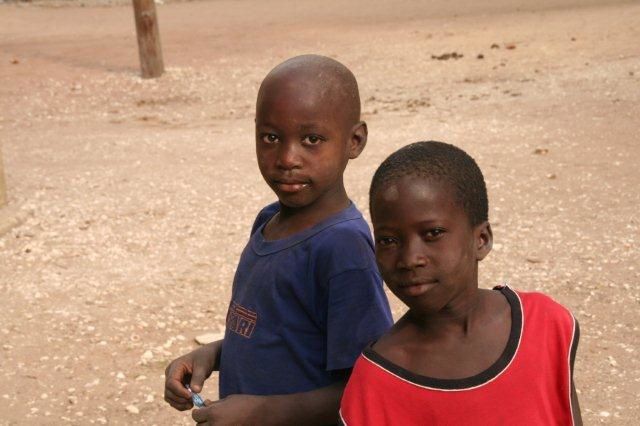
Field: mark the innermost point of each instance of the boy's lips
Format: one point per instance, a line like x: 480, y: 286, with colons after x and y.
x: 290, y: 185
x: 416, y: 288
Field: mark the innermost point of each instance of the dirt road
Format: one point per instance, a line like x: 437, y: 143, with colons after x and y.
x: 137, y: 196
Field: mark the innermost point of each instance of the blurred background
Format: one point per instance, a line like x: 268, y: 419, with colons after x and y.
x: 129, y: 200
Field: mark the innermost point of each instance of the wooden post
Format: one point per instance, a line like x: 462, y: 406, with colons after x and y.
x: 3, y: 187
x: 148, y: 38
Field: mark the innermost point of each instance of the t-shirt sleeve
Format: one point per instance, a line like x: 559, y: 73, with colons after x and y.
x: 358, y: 313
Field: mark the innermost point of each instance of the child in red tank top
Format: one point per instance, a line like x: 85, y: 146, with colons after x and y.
x: 460, y: 355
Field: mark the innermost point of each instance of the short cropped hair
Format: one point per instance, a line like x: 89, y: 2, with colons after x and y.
x: 442, y: 162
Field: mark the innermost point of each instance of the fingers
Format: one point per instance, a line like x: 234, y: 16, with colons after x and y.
x: 177, y: 402
x: 200, y: 415
x: 174, y: 382
x: 198, y: 376
x: 175, y: 394
x: 207, y: 415
x: 177, y: 389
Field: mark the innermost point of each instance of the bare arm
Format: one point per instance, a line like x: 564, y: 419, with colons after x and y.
x: 316, y: 407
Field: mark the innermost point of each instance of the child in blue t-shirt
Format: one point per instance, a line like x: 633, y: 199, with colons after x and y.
x: 307, y: 296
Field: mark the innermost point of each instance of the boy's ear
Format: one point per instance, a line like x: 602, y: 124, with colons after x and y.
x: 484, y: 240
x: 358, y: 139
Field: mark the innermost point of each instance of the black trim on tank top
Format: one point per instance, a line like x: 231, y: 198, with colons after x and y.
x: 574, y: 345
x: 468, y: 382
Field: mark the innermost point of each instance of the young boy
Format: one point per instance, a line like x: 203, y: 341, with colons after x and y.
x: 460, y: 355
x: 307, y: 296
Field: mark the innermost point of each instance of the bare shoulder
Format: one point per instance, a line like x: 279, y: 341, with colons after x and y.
x: 496, y: 317
x: 495, y: 300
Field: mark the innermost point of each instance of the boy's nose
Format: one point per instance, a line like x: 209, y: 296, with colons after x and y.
x: 411, y: 255
x: 288, y: 156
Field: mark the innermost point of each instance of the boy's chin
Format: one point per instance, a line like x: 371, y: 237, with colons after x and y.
x: 294, y: 199
x: 292, y: 203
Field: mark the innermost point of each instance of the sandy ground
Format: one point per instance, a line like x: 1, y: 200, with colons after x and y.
x: 137, y: 195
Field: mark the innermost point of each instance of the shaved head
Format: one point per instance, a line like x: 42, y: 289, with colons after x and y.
x: 325, y: 78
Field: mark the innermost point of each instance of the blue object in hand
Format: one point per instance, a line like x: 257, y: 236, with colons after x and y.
x: 195, y: 398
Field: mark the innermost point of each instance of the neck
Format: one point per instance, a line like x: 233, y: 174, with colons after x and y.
x: 322, y: 208
x: 457, y: 317
x: 291, y: 220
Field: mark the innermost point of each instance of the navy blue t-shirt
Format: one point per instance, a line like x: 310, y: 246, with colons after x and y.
x: 302, y: 308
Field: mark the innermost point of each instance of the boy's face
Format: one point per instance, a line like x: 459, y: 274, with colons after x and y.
x: 303, y: 142
x: 426, y: 249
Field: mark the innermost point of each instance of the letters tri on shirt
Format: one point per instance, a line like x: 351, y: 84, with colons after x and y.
x: 241, y: 320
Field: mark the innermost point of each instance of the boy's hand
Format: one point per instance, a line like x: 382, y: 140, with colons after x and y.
x: 316, y: 407
x: 233, y: 410
x: 193, y: 368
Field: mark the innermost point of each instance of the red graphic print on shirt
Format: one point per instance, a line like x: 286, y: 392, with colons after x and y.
x: 241, y: 320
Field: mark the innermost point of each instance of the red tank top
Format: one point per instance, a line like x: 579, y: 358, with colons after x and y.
x: 530, y: 384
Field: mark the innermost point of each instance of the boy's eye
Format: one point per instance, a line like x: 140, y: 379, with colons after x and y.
x: 433, y: 234
x: 385, y: 241
x: 312, y: 139
x: 269, y: 138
